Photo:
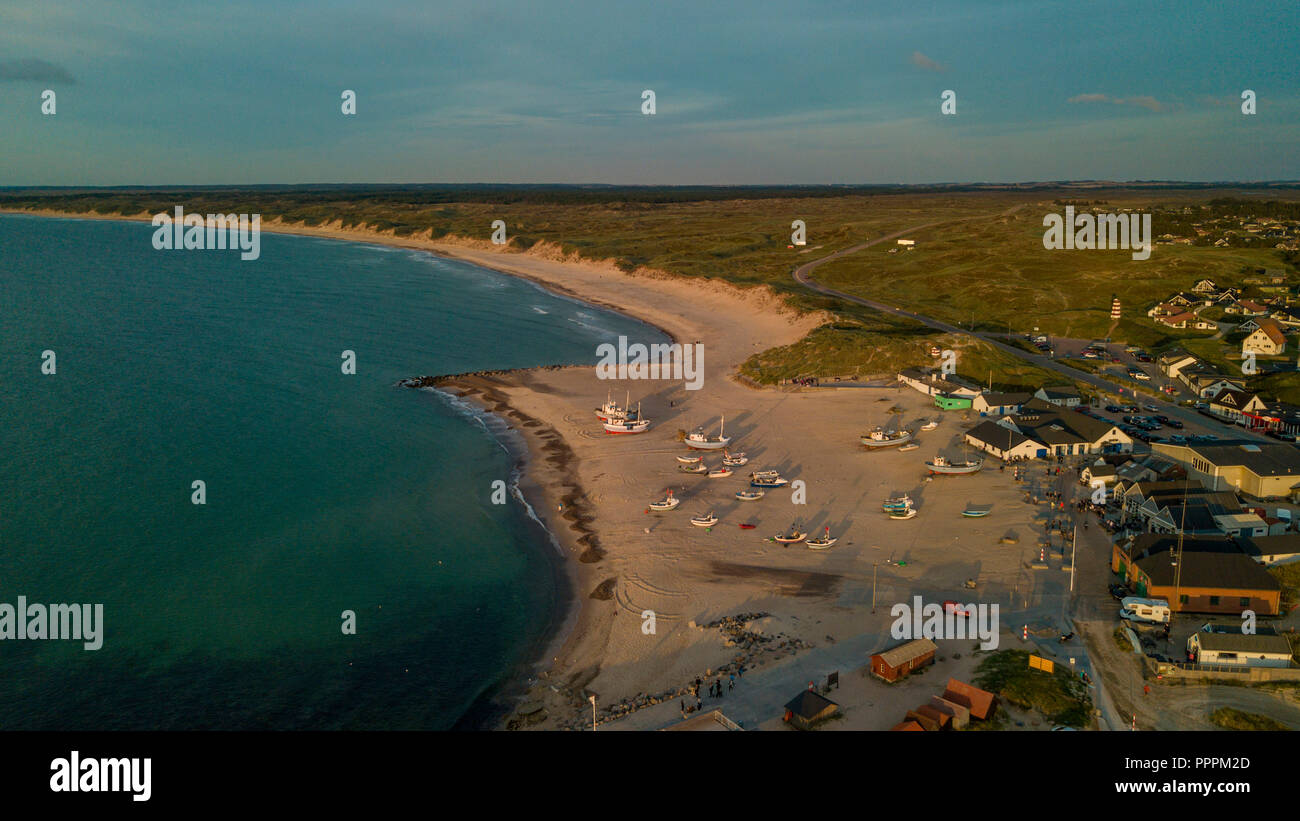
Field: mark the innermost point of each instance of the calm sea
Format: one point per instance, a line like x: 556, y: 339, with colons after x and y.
x: 325, y: 492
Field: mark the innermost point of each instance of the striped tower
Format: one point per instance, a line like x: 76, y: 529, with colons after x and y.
x: 1114, y: 308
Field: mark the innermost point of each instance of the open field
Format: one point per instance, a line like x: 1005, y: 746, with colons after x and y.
x: 996, y: 276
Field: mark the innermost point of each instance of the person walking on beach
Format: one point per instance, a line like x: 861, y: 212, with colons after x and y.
x: 683, y: 703
x: 717, y: 685
x: 731, y: 683
x: 699, y: 705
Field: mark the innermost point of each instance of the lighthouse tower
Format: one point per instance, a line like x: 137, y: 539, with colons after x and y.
x: 1114, y: 308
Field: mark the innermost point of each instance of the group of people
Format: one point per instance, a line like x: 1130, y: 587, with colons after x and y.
x: 805, y: 382
x: 715, y: 691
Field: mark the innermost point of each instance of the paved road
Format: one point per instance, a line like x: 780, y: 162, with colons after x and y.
x: 803, y: 275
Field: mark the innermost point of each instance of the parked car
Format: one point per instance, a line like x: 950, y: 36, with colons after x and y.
x: 1118, y: 591
x: 1113, y: 409
x: 1174, y: 423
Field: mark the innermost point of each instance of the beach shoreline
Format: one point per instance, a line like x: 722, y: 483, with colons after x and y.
x: 548, y: 480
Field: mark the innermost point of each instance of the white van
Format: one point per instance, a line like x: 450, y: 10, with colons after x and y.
x: 1155, y: 611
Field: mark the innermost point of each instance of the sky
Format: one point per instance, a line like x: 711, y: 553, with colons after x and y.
x: 550, y: 91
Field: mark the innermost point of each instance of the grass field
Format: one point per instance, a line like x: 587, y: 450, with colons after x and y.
x: 1059, y: 696
x: 1230, y: 718
x: 995, y: 275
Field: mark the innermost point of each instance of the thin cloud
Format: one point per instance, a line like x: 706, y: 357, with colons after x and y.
x: 1142, y: 101
x: 921, y: 61
x: 34, y: 69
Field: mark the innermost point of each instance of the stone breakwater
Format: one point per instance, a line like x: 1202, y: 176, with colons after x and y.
x: 453, y: 378
x: 755, y: 648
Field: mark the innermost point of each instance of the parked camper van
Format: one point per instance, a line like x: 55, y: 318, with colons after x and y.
x: 1155, y: 611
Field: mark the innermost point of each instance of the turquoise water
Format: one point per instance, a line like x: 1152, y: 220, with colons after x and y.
x: 325, y: 492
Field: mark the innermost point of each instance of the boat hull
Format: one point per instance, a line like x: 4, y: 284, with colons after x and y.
x: 891, y: 442
x: 707, y: 445
x: 952, y: 470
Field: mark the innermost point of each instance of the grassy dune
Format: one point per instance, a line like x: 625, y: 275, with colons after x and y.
x: 995, y: 275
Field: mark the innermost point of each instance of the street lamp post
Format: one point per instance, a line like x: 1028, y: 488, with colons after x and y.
x: 592, y: 699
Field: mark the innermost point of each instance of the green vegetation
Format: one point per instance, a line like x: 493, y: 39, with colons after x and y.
x: 1288, y: 576
x: 1060, y: 697
x: 995, y: 275
x: 1230, y: 718
x: 860, y: 344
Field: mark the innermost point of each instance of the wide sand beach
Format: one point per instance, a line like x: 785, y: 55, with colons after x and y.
x: 726, y: 600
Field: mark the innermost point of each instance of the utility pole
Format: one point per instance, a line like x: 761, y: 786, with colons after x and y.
x: 874, y: 565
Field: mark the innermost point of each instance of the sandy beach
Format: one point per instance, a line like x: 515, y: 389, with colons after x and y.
x: 726, y: 599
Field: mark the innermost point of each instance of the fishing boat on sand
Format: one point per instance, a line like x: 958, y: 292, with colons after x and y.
x: 910, y: 446
x: 690, y: 460
x: 720, y: 472
x: 667, y: 503
x: 975, y: 511
x: 897, y: 503
x: 767, y: 478
x: 931, y: 425
x: 611, y: 411
x: 699, y: 440
x: 943, y: 466
x: 792, y: 536
x: 747, y: 526
x: 881, y: 438
x: 734, y: 460
x: 821, y: 542
x: 749, y: 495
x: 707, y: 520
x: 696, y: 468
x: 635, y: 424
x: 905, y: 513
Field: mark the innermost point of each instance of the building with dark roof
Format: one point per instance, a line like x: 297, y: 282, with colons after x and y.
x: 1004, y: 442
x: 1208, y: 582
x: 1243, y: 649
x: 1264, y: 470
x: 809, y: 708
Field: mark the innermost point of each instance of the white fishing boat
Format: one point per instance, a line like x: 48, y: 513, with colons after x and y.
x: 699, y: 440
x: 931, y: 425
x: 707, y: 520
x: 946, y: 467
x: 611, y: 411
x: 697, y: 468
x: 734, y: 460
x: 669, y: 502
x: 821, y: 542
x: 897, y: 503
x: 720, y: 472
x: 749, y: 495
x: 878, y: 437
x: 690, y: 460
x: 792, y: 536
x: 630, y: 425
x: 767, y: 478
x: 908, y: 513
x: 910, y: 446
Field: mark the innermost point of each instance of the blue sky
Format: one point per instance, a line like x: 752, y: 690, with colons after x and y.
x: 747, y: 92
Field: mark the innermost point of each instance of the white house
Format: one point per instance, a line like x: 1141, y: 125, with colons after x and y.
x: 999, y: 404
x: 1240, y: 649
x: 1266, y: 340
x: 1004, y: 442
x: 1062, y: 396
